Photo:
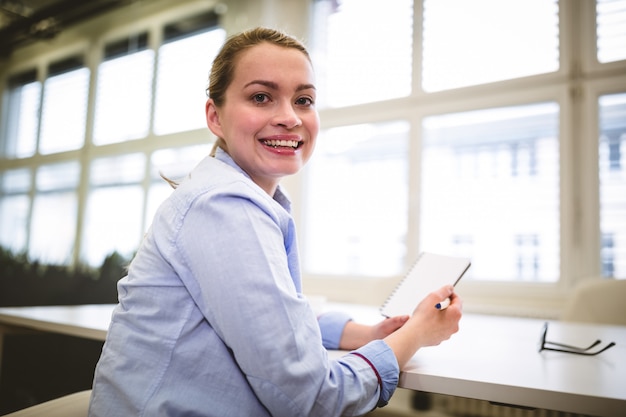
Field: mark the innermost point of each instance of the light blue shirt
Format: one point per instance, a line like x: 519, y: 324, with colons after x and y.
x: 211, y: 320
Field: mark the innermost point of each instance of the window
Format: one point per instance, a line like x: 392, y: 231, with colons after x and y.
x: 14, y: 209
x: 362, y: 50
x: 124, y: 93
x: 612, y: 165
x: 44, y: 117
x: 53, y: 222
x: 114, y: 207
x: 493, y: 177
x: 420, y: 101
x: 474, y: 170
x: 611, y: 36
x: 469, y: 43
x: 64, y: 106
x: 22, y: 115
x: 356, y: 204
x: 183, y: 69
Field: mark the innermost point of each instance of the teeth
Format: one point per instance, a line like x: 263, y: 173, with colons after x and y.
x: 284, y: 143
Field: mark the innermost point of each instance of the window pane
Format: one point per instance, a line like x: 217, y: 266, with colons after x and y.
x: 490, y: 191
x: 356, y: 201
x: 58, y: 177
x: 362, y: 50
x: 14, y: 209
x: 113, y: 217
x: 16, y: 181
x: 53, y: 224
x: 13, y: 222
x: 476, y: 42
x: 611, y: 27
x: 112, y: 223
x: 64, y: 111
x: 177, y: 163
x: 123, y: 98
x: 613, y: 185
x: 53, y: 228
x: 123, y: 169
x: 22, y: 120
x: 182, y: 80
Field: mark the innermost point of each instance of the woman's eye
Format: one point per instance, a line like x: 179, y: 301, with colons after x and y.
x: 304, y: 101
x: 260, y: 98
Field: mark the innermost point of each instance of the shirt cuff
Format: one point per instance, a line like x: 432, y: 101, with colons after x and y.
x: 331, y: 326
x: 381, y: 358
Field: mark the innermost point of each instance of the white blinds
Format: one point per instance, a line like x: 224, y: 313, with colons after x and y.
x: 611, y: 30
x: 64, y: 112
x: 22, y: 120
x: 124, y: 97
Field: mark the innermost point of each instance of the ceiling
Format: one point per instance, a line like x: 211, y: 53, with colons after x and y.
x: 26, y: 21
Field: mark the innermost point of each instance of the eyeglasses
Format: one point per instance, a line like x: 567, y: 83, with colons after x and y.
x: 560, y: 347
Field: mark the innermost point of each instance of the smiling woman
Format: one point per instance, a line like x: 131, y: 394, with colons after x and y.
x: 218, y: 277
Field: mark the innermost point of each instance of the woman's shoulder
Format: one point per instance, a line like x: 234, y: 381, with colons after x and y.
x: 214, y: 178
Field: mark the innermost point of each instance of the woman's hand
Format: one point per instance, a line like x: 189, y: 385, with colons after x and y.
x: 428, y: 326
x: 356, y: 335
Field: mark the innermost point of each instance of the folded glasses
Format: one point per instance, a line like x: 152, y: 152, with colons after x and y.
x: 560, y: 347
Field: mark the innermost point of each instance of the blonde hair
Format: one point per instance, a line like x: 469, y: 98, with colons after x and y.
x: 223, y: 68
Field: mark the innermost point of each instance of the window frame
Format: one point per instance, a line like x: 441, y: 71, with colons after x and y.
x: 579, y: 190
x: 575, y: 87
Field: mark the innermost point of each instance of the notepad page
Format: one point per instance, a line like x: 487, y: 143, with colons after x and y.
x: 429, y: 273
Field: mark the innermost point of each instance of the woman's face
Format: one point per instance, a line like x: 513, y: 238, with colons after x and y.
x: 268, y: 119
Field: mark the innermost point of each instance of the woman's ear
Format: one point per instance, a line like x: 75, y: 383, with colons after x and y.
x: 213, y: 118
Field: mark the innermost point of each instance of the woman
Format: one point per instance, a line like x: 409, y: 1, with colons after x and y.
x: 211, y: 320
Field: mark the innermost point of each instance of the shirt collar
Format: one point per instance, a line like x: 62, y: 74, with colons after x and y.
x: 279, y: 196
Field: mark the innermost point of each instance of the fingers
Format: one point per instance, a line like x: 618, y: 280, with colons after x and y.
x: 445, y: 291
x: 397, y: 321
x: 456, y: 301
x: 454, y: 308
x: 391, y: 324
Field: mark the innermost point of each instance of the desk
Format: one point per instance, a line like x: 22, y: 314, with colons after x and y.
x: 492, y: 358
x: 87, y: 321
x: 496, y: 359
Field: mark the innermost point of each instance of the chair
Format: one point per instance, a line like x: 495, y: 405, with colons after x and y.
x: 597, y: 301
x: 73, y: 405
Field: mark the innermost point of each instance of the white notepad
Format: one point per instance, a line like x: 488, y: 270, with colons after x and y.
x: 429, y: 273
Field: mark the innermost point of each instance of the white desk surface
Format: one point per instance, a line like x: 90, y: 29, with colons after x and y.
x: 491, y: 358
x: 496, y: 359
x: 86, y: 321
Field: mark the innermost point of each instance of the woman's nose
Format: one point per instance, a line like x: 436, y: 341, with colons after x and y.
x: 287, y: 117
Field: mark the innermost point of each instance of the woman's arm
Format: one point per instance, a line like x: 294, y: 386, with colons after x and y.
x: 355, y: 334
x: 427, y: 326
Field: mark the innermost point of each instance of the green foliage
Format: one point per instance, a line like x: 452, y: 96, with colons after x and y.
x: 28, y: 283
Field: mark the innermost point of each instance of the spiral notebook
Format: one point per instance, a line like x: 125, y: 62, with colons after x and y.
x: 429, y: 273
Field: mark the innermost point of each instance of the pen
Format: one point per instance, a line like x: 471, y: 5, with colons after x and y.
x: 443, y: 305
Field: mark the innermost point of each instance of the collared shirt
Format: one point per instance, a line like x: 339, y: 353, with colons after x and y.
x: 211, y: 320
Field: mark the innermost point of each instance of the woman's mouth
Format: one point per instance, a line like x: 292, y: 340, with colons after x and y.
x: 282, y: 143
